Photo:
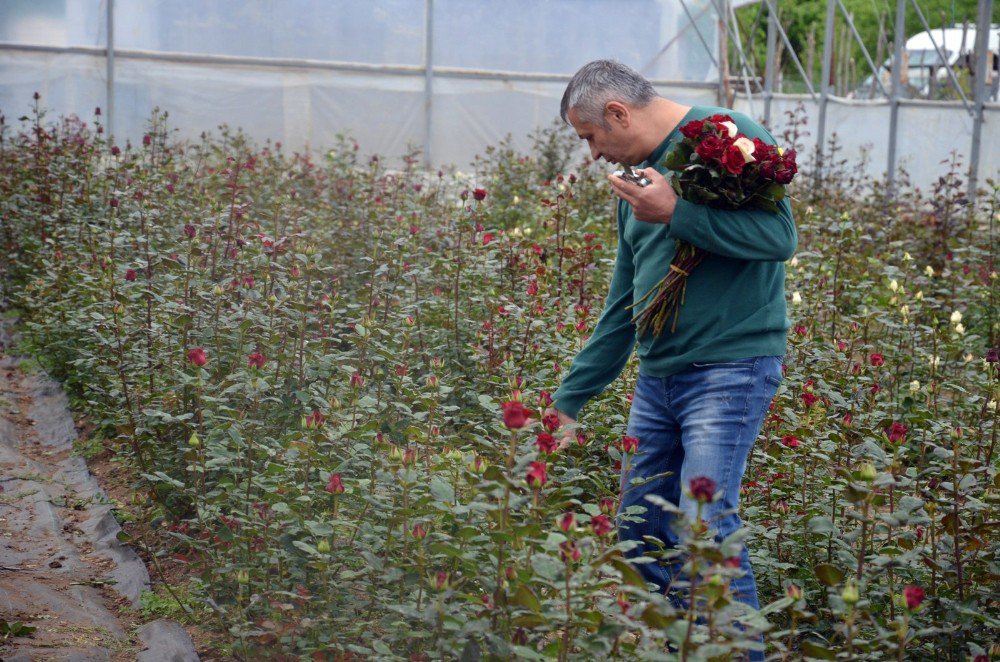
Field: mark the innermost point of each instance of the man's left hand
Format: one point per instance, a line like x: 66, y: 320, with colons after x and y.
x: 653, y: 203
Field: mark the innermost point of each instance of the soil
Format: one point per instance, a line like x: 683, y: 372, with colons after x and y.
x: 63, y: 570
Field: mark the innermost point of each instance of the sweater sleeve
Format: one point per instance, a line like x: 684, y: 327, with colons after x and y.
x: 608, y: 349
x: 746, y: 234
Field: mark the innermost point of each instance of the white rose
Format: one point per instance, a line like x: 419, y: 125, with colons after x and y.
x: 796, y: 298
x: 914, y: 386
x: 893, y: 285
x: 959, y: 329
x: 746, y: 148
x: 956, y: 317
x: 730, y: 127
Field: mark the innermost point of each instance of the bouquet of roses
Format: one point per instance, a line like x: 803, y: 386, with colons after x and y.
x: 714, y: 165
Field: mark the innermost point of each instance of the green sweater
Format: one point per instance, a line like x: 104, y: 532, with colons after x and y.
x: 734, y: 306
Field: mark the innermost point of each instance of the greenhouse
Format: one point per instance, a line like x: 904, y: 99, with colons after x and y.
x: 440, y: 329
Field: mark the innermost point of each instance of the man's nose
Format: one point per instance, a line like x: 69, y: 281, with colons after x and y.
x: 595, y: 153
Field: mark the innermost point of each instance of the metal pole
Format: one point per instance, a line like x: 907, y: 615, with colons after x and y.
x: 723, y: 55
x: 897, y: 85
x: 979, y: 96
x: 109, y: 101
x: 769, y: 73
x: 428, y: 79
x: 824, y: 85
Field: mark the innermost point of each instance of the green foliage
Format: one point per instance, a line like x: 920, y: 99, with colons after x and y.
x: 305, y: 357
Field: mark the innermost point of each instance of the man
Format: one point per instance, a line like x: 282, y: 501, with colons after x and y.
x: 704, y: 388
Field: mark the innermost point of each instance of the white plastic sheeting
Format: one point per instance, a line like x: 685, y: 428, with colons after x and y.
x: 301, y: 72
x: 929, y: 132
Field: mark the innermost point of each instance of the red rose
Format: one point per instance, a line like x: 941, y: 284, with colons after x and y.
x: 732, y: 160
x: 719, y: 118
x: 256, y: 360
x: 514, y: 414
x: 546, y: 443
x: 693, y: 128
x: 197, y: 356
x: 702, y: 489
x: 600, y: 524
x: 790, y: 440
x: 914, y: 595
x: 335, y: 484
x: 809, y: 399
x: 487, y: 238
x: 479, y: 194
x: 190, y: 231
x: 896, y: 432
x: 711, y: 148
x: 537, y: 475
x: 630, y: 444
x: 877, y: 359
x: 551, y: 422
x: 130, y: 275
x: 783, y: 176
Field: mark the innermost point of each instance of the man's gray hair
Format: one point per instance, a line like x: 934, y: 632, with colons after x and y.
x: 599, y: 82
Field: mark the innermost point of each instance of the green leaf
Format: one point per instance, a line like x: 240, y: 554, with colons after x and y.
x: 829, y: 574
x: 524, y: 597
x: 817, y: 650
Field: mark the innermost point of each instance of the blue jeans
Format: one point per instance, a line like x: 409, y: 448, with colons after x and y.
x: 702, y: 421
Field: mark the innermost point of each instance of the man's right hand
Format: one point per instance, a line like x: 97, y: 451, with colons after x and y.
x: 567, y: 427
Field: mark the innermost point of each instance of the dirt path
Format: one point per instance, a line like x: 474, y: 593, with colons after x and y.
x: 62, y: 569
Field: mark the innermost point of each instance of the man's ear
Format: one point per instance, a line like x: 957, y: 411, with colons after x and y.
x: 617, y: 114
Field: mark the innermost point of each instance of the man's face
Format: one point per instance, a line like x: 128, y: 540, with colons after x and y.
x: 607, y: 143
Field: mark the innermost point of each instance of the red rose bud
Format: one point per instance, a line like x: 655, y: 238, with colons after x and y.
x: 702, y: 489
x: 409, y: 456
x: 514, y: 414
x: 794, y: 592
x: 146, y: 140
x: 115, y: 150
x: 544, y: 399
x: 551, y: 422
x: 256, y: 360
x: 190, y: 231
x: 419, y: 532
x: 567, y: 522
x: 601, y: 525
x: 479, y: 194
x: 357, y: 381
x: 630, y: 444
x: 441, y: 580
x: 114, y: 203
x: 896, y: 432
x: 130, y: 275
x: 607, y: 505
x: 914, y: 596
x: 197, y: 356
x: 877, y: 359
x: 487, y: 238
x: 315, y: 419
x: 569, y: 550
x: 546, y: 443
x: 335, y: 485
x: 537, y: 475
